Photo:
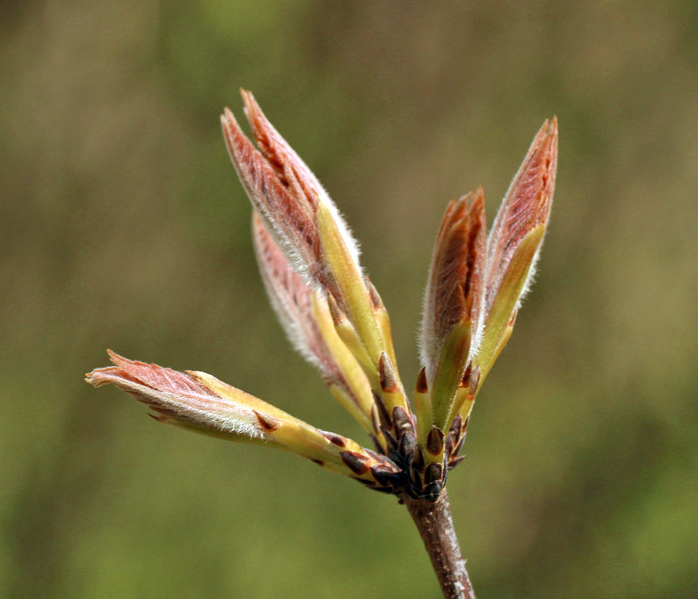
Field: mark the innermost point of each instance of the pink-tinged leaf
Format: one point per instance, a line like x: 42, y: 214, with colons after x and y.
x: 306, y: 318
x: 282, y: 158
x: 290, y: 220
x: 200, y: 402
x: 181, y: 397
x: 304, y: 222
x: 286, y: 194
x: 292, y: 169
x: 454, y: 291
x: 515, y: 241
x: 290, y: 297
x: 525, y: 206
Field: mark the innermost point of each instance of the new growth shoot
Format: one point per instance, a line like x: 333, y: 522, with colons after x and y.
x: 335, y: 318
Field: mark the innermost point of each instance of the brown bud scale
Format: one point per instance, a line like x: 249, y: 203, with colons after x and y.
x: 337, y: 440
x: 421, y: 386
x: 268, y: 423
x: 435, y: 441
x: 355, y: 461
x: 388, y: 380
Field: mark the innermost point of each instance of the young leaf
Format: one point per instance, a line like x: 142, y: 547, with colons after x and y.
x: 200, y: 402
x: 307, y: 227
x: 452, y: 304
x: 305, y: 316
x: 514, y: 243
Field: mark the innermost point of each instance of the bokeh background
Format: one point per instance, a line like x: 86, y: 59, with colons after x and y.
x: 122, y: 225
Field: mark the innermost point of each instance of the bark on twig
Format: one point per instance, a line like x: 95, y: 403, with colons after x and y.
x: 435, y: 526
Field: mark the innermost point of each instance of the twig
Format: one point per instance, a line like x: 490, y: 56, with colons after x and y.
x: 435, y: 526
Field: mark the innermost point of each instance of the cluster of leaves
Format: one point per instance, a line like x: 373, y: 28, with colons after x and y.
x: 334, y: 316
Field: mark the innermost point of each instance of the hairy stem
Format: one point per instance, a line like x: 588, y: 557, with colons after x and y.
x: 435, y: 526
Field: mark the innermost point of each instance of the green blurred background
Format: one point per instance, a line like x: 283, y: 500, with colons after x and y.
x: 122, y: 225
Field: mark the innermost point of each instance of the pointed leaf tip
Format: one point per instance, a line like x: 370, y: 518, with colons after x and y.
x: 526, y: 205
x: 179, y: 396
x: 200, y: 402
x: 452, y: 303
x: 514, y: 243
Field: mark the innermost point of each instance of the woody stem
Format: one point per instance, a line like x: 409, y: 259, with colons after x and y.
x: 435, y: 526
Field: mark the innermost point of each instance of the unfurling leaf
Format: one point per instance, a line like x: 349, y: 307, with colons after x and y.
x: 305, y: 315
x: 307, y: 229
x: 335, y: 317
x: 452, y: 317
x: 515, y: 241
x: 200, y: 402
x: 287, y: 196
x: 475, y: 286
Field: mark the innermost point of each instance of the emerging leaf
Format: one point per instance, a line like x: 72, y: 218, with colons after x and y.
x: 305, y: 315
x: 307, y: 228
x: 514, y: 243
x: 182, y: 398
x: 335, y: 317
x: 200, y: 402
x: 291, y: 298
x: 451, y: 323
x: 286, y: 194
x: 291, y: 168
